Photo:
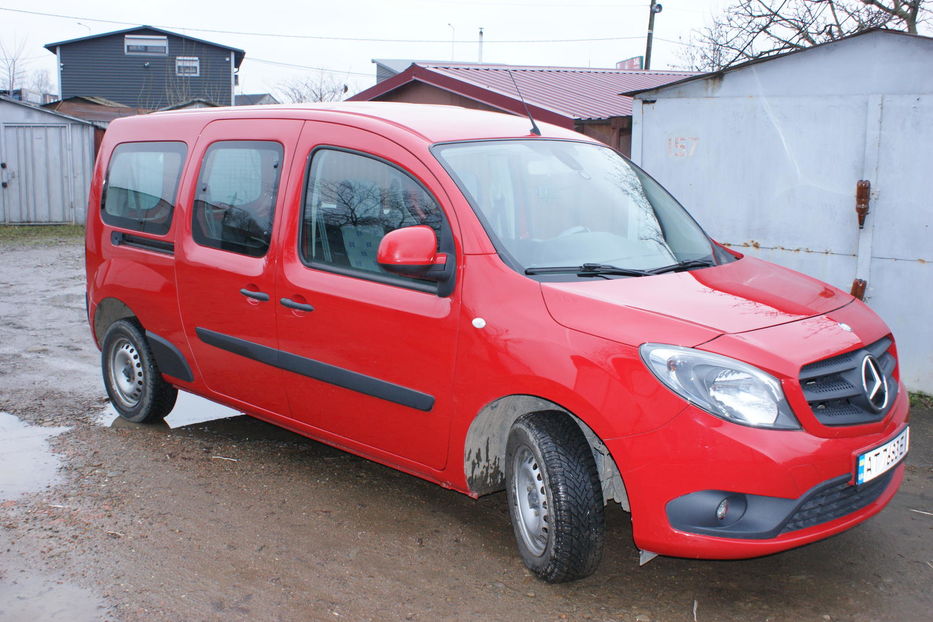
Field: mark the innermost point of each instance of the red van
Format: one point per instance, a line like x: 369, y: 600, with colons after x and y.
x: 445, y: 292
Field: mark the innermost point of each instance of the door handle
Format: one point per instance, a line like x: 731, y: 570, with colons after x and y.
x: 291, y: 304
x: 260, y: 296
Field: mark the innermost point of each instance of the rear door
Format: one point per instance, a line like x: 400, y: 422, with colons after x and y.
x: 369, y: 355
x: 226, y: 257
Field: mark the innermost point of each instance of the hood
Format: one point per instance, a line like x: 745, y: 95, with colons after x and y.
x: 689, y: 308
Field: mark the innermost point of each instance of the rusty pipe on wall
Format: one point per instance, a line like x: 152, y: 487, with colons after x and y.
x: 862, y: 198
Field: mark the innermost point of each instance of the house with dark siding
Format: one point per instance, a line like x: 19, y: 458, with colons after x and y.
x: 147, y: 67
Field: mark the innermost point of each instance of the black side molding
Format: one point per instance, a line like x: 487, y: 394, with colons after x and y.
x: 169, y: 358
x: 319, y: 371
x: 118, y: 238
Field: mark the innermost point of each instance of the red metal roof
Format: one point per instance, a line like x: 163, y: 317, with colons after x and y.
x: 571, y: 92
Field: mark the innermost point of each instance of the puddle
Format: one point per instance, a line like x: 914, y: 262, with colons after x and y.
x: 26, y: 463
x: 28, y: 596
x: 189, y: 410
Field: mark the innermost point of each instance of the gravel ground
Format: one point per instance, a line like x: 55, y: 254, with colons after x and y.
x: 234, y: 519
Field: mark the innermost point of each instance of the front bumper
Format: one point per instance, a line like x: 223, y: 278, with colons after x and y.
x: 784, y: 488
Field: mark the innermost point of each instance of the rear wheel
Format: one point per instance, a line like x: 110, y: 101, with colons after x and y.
x: 555, y: 499
x: 132, y: 377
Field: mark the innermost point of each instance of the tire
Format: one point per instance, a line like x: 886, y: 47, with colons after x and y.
x: 554, y: 495
x: 132, y: 377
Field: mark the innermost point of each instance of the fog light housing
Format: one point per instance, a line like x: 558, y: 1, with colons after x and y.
x: 708, y: 510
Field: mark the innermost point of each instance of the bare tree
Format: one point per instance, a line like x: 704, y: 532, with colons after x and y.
x: 39, y: 81
x: 319, y: 87
x: 12, y: 65
x: 180, y: 88
x: 750, y: 29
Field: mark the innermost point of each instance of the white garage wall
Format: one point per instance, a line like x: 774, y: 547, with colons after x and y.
x: 767, y: 157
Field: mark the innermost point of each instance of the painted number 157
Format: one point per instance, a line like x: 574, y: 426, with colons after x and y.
x: 682, y: 146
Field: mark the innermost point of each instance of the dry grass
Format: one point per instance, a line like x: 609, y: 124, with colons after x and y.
x: 40, y: 234
x: 919, y: 399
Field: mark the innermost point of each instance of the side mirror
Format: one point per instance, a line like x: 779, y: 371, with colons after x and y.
x: 412, y: 251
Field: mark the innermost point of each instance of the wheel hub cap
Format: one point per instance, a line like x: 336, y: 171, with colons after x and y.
x: 126, y: 373
x: 531, y: 499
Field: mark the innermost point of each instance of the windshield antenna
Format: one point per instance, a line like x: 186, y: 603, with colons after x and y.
x: 534, y: 126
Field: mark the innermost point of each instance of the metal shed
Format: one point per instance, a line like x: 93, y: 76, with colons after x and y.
x: 46, y: 159
x: 768, y: 156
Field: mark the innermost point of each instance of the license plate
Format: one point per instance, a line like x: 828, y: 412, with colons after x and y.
x: 880, y: 460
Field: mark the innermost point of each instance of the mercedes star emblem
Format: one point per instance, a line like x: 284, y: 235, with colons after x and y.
x: 874, y: 383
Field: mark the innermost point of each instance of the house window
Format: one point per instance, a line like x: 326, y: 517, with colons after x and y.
x: 144, y: 44
x: 187, y: 66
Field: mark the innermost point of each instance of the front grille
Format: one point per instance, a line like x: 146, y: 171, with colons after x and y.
x: 833, y: 387
x: 834, y: 500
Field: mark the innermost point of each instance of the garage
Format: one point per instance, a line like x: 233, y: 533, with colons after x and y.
x: 46, y: 160
x: 817, y: 160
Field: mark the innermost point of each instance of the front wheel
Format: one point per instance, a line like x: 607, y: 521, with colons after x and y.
x: 132, y: 377
x: 555, y: 499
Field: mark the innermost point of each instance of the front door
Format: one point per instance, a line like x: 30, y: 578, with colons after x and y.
x: 226, y: 258
x: 369, y: 355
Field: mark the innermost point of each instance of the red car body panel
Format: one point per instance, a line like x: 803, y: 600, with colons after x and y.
x: 573, y: 344
x: 362, y: 325
x: 732, y: 298
x: 209, y: 281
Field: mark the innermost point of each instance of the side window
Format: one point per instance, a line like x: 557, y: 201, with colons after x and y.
x: 142, y: 181
x: 351, y: 202
x: 235, y: 198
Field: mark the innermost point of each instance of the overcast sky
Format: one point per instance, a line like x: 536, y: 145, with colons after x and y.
x: 313, y: 34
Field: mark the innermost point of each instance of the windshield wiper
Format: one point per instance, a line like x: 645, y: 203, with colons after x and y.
x: 682, y: 265
x: 587, y: 269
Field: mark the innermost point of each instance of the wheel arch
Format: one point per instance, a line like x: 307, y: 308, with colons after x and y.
x: 171, y: 361
x: 106, y: 312
x: 484, y: 448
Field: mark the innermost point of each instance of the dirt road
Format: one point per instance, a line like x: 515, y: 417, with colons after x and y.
x: 236, y: 520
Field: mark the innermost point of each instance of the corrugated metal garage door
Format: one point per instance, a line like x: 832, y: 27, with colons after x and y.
x: 776, y: 178
x: 37, y: 175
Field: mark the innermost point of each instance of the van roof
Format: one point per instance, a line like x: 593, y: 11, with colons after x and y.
x: 429, y: 122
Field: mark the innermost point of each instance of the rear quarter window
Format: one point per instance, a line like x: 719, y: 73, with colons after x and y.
x: 142, y: 182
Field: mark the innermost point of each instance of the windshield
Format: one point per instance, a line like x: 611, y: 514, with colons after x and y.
x: 564, y: 204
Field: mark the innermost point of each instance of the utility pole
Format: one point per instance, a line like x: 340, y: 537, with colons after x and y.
x: 654, y: 9
x: 480, y: 44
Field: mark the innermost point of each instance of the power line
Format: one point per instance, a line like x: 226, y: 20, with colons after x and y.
x: 320, y: 37
x: 538, y: 5
x: 656, y: 38
x: 275, y: 62
x: 327, y: 38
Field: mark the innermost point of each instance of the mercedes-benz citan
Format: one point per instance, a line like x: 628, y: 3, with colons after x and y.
x: 442, y: 291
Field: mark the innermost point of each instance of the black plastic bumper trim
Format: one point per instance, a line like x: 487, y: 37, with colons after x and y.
x: 170, y: 360
x: 755, y: 517
x: 319, y: 371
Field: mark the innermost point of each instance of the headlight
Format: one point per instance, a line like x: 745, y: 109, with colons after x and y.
x: 721, y: 386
